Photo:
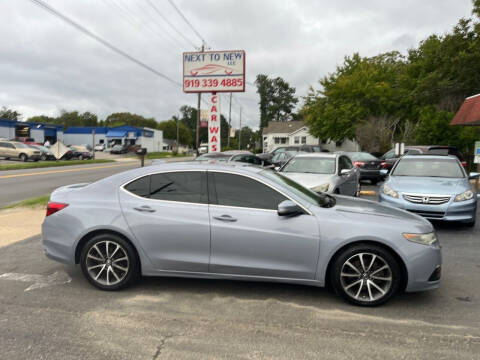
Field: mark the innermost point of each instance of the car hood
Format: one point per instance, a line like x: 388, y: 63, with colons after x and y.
x: 427, y: 185
x: 310, y: 180
x: 350, y: 205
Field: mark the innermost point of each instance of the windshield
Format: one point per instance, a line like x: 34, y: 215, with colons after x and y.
x: 299, y: 190
x: 312, y: 165
x: 358, y: 156
x: 446, y: 168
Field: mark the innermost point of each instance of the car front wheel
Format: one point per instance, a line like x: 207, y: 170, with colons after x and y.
x: 23, y: 157
x: 366, y: 275
x: 109, y: 262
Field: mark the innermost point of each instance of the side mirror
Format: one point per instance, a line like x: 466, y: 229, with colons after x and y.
x: 345, y: 171
x: 288, y: 208
x: 383, y: 172
x: 473, y: 175
x: 276, y: 168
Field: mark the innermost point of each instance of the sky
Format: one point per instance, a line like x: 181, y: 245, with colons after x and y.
x: 46, y: 65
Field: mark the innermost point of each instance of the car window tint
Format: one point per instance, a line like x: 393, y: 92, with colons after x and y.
x: 140, y: 187
x: 344, y: 163
x: 241, y: 191
x: 3, y: 145
x: 190, y: 186
x: 389, y: 154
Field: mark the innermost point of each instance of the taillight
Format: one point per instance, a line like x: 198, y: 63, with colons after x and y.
x: 53, y: 207
x: 383, y: 165
x: 358, y: 163
x: 464, y: 164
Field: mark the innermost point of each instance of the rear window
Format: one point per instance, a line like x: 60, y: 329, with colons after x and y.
x: 359, y: 156
x: 310, y: 165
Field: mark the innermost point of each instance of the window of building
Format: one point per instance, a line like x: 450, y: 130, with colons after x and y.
x: 304, y: 139
x: 283, y: 140
x: 241, y: 191
x: 297, y: 140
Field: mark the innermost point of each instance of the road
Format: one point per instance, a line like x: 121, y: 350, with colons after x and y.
x: 167, y: 318
x: 17, y: 185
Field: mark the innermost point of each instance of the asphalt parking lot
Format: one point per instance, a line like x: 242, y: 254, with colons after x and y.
x: 49, y: 311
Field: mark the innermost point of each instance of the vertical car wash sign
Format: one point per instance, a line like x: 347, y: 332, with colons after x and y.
x: 214, y: 71
x: 214, y: 124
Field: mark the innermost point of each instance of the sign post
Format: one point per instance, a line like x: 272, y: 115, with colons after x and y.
x: 213, y: 72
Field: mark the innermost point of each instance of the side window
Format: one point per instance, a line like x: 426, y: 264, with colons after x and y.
x: 179, y: 186
x: 344, y: 163
x: 412, y: 152
x: 389, y: 154
x: 348, y: 163
x: 2, y: 145
x: 173, y: 186
x: 140, y: 187
x: 10, y: 146
x: 241, y: 191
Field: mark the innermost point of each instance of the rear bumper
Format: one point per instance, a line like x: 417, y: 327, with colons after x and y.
x: 366, y: 174
x: 451, y: 211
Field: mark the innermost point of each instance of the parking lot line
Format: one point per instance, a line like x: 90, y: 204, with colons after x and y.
x: 63, y: 171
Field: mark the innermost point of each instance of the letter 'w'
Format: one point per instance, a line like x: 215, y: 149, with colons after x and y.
x: 214, y: 130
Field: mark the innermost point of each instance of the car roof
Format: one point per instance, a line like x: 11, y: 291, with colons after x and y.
x: 318, y: 155
x: 429, y: 156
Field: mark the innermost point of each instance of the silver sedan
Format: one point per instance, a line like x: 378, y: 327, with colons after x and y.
x: 238, y: 222
x: 324, y: 172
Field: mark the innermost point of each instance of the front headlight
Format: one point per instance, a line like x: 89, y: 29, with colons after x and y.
x: 387, y: 190
x: 321, y: 188
x: 425, y: 239
x: 467, y: 195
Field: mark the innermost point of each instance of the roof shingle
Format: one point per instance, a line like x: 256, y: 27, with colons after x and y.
x: 284, y: 127
x: 469, y: 112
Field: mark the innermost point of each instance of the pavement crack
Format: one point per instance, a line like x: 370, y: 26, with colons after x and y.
x: 160, y: 347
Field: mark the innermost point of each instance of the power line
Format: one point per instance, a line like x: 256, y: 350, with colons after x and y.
x: 186, y: 20
x: 87, y: 32
x: 169, y: 23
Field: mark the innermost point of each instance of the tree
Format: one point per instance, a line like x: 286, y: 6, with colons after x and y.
x: 169, y: 128
x: 126, y: 118
x: 277, y: 99
x: 9, y: 114
x: 42, y: 119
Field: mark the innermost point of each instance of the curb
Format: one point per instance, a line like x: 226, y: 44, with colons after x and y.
x: 368, y: 192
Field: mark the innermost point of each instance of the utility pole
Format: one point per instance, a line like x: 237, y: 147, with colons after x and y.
x: 240, y: 129
x: 178, y: 119
x: 198, y: 111
x: 229, y: 121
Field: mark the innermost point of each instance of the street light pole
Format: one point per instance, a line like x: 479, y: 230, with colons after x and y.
x: 198, y: 112
x: 229, y: 121
x: 240, y: 130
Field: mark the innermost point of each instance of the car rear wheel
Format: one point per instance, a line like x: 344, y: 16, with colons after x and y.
x: 23, y: 157
x: 366, y: 275
x: 80, y: 157
x: 44, y: 157
x: 109, y: 262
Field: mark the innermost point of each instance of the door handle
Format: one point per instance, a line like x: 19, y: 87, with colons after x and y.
x: 225, y: 218
x: 144, y: 208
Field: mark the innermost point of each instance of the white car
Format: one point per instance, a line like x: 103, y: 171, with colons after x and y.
x: 99, y: 147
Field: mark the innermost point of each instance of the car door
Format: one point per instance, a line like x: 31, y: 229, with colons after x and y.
x: 249, y: 238
x: 168, y: 214
x: 3, y: 149
x: 348, y: 181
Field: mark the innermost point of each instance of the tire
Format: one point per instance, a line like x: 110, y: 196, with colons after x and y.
x: 355, y: 286
x: 124, y: 263
x: 470, y: 223
x: 43, y: 157
x: 23, y: 157
x: 80, y: 157
x: 374, y: 182
x: 357, y: 193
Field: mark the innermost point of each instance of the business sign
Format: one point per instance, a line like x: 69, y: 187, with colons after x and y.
x: 214, y: 124
x: 214, y: 71
x: 476, y: 159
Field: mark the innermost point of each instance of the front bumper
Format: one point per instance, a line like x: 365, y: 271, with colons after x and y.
x: 424, y: 267
x: 451, y: 211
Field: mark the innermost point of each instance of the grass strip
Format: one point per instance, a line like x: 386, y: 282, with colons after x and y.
x: 32, y: 202
x: 44, y: 164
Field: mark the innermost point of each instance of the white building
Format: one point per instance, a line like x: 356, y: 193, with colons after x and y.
x: 291, y: 133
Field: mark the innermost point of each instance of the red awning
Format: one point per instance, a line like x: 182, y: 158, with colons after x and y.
x: 469, y: 112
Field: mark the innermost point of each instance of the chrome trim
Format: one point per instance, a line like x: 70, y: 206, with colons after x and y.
x: 426, y: 199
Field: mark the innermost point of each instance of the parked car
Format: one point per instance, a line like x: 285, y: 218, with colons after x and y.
x: 46, y: 154
x: 280, y: 158
x: 390, y: 158
x: 324, y: 172
x: 294, y: 148
x: 99, y: 147
x: 369, y: 166
x: 119, y: 149
x: 222, y: 221
x: 233, y: 156
x: 81, y: 152
x: 433, y: 186
x: 18, y: 150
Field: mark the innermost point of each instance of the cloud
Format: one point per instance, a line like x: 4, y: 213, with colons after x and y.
x: 46, y: 65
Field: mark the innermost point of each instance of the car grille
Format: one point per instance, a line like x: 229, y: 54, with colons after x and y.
x: 427, y: 199
x: 429, y: 214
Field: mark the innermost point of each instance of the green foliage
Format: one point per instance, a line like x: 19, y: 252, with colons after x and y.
x: 9, y: 114
x: 44, y: 164
x: 162, y: 155
x: 277, y: 99
x: 126, y: 118
x: 169, y: 129
x: 32, y: 202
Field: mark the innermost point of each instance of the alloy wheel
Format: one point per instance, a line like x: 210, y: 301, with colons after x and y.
x: 107, y: 263
x: 366, y: 277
